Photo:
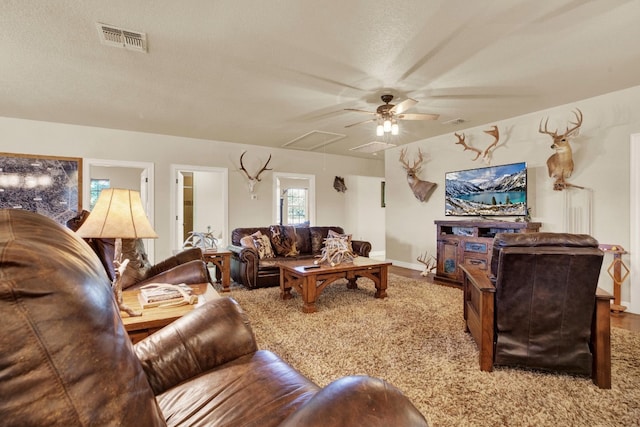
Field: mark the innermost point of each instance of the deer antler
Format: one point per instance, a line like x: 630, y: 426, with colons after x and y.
x: 430, y: 263
x: 257, y: 176
x: 486, y: 153
x: 466, y: 147
x: 568, y: 132
x: 496, y: 134
x: 264, y: 168
x: 416, y: 163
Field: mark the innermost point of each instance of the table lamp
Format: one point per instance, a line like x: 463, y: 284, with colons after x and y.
x: 118, y: 214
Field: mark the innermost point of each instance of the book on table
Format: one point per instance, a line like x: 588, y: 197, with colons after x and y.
x: 155, y: 294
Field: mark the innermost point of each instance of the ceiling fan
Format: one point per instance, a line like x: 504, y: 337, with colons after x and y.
x: 387, y: 115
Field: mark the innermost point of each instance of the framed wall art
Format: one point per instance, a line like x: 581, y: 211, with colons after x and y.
x: 51, y: 186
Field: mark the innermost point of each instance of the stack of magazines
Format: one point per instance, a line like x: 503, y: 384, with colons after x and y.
x: 156, y: 294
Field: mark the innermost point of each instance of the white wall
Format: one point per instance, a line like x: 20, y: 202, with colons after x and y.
x: 364, y: 216
x: 601, y: 154
x: 34, y: 137
x: 207, y: 194
x: 118, y: 177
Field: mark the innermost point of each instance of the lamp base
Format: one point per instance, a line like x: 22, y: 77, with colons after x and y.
x: 117, y: 284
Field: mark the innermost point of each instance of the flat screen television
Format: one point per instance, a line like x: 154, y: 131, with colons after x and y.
x: 488, y: 191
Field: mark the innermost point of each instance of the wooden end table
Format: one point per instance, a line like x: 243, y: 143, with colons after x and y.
x: 155, y: 318
x: 310, y: 282
x: 221, y: 258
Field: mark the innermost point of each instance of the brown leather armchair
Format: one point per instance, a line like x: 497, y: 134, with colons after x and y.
x: 66, y: 359
x: 540, y: 307
x: 184, y: 267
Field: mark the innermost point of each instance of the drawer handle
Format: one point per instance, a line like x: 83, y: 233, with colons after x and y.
x: 476, y: 262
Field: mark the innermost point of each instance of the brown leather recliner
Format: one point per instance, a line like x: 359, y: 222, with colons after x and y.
x: 184, y: 267
x: 541, y: 307
x: 66, y: 359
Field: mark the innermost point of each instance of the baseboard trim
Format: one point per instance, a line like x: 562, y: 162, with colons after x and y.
x: 410, y: 266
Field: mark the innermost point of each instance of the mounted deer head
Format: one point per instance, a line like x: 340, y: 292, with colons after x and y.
x: 486, y: 154
x: 253, y: 179
x: 339, y: 185
x: 560, y: 164
x: 421, y: 189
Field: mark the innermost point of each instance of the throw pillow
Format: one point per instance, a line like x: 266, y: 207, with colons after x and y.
x: 263, y: 246
x: 283, y: 239
x: 247, y: 242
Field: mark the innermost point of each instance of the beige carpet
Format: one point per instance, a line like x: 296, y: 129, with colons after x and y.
x: 415, y: 339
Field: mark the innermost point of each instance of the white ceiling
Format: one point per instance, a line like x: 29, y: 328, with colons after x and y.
x: 270, y: 72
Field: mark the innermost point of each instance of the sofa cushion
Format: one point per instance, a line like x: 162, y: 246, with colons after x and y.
x: 263, y: 246
x: 303, y: 240
x: 283, y: 240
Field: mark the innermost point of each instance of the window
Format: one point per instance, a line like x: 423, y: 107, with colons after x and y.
x: 97, y: 185
x: 296, y: 205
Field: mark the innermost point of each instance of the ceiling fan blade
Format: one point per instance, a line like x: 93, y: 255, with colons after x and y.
x: 403, y: 106
x: 360, y: 111
x: 418, y: 116
x: 359, y: 123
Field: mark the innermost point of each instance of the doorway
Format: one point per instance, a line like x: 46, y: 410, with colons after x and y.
x: 199, y: 203
x: 303, y: 186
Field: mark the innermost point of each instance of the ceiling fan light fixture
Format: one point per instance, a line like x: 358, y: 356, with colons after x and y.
x: 386, y: 125
x: 379, y: 130
x: 395, y: 129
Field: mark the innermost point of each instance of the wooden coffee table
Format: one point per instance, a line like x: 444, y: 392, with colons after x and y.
x: 154, y: 318
x: 310, y: 282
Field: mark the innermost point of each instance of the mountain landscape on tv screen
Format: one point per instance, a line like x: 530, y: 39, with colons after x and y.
x: 494, y: 191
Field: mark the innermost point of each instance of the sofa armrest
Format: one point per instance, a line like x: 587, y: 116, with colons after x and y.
x: 191, y: 272
x: 361, y: 247
x: 244, y: 265
x: 209, y: 336
x: 357, y: 401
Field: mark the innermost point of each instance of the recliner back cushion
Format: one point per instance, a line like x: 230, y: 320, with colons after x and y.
x: 545, y: 298
x: 139, y: 266
x: 65, y: 357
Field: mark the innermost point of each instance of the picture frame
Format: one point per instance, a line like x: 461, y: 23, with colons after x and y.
x: 48, y: 185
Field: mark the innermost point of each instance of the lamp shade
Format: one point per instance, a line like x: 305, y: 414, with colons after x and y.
x: 118, y: 213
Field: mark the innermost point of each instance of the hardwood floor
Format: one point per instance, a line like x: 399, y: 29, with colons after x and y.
x: 628, y: 321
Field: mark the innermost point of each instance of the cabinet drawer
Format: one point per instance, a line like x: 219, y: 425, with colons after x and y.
x: 476, y: 247
x: 480, y: 263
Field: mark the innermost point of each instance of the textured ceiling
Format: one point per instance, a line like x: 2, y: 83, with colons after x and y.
x: 272, y: 72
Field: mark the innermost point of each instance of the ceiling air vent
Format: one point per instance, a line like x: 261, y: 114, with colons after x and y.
x: 111, y: 35
x: 372, y: 147
x: 454, y: 122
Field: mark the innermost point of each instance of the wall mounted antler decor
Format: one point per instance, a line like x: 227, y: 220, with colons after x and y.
x: 560, y: 164
x: 255, y: 178
x: 486, y: 154
x: 421, y: 189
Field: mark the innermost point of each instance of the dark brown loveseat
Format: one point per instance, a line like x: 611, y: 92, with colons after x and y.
x: 248, y: 269
x: 66, y: 359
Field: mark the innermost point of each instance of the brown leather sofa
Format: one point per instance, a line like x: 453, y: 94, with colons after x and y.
x: 184, y: 267
x: 66, y: 359
x: 248, y: 269
x: 541, y: 307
